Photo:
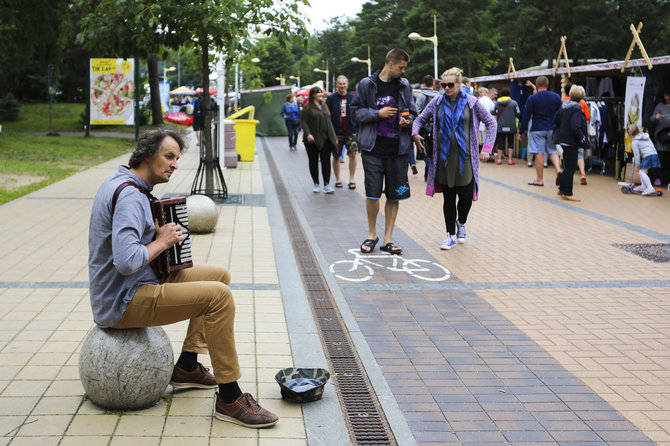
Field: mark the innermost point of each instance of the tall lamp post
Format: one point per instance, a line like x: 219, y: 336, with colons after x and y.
x: 416, y: 36
x: 165, y: 70
x: 296, y: 78
x: 318, y: 70
x: 367, y: 61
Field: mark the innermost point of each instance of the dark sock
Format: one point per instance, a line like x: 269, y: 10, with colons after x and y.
x: 229, y: 392
x: 188, y: 361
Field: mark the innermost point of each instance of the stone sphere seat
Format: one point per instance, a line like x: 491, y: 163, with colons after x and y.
x: 125, y: 369
x: 202, y: 214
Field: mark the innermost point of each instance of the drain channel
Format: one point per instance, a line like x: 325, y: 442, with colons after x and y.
x: 365, y: 420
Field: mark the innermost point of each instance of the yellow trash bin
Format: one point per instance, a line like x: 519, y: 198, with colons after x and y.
x: 245, y: 133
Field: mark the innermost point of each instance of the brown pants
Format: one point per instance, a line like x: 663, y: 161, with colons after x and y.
x: 201, y: 294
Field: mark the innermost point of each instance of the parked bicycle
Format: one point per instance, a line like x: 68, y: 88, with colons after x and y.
x: 360, y: 268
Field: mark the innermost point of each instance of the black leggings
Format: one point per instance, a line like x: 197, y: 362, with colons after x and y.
x: 449, y: 207
x: 569, y: 167
x: 314, y: 153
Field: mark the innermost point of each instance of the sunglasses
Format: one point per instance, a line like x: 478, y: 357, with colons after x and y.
x: 447, y: 84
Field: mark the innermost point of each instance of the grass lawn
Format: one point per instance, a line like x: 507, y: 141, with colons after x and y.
x: 31, y: 162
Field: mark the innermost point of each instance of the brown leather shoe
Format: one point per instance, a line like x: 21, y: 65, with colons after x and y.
x: 244, y: 411
x: 200, y: 378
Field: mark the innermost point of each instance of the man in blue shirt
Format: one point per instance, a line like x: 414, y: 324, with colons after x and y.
x: 126, y: 292
x: 541, y: 107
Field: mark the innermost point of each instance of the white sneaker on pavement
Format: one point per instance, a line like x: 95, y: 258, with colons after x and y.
x: 460, y: 232
x: 316, y: 189
x: 448, y: 243
x: 328, y: 189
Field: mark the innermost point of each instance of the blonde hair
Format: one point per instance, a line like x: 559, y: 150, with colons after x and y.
x: 454, y: 71
x: 577, y: 93
x: 633, y: 130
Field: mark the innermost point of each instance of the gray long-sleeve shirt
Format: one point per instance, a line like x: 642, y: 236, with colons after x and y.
x: 118, y: 258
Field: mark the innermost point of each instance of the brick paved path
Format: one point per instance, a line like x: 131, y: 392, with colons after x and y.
x: 544, y: 334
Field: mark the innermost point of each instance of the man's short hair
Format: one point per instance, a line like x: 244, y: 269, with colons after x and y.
x: 150, y: 143
x: 341, y: 76
x: 482, y: 91
x: 542, y: 81
x: 577, y: 93
x: 428, y: 80
x: 397, y: 55
x: 466, y: 80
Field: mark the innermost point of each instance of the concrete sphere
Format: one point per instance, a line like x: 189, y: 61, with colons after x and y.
x: 202, y: 214
x: 125, y: 368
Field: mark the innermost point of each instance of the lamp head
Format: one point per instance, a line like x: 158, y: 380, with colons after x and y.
x: 414, y: 36
x: 316, y: 70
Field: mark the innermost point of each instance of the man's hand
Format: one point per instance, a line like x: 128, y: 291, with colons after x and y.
x: 169, y: 234
x: 310, y: 138
x: 519, y: 136
x: 418, y: 141
x: 387, y: 112
x: 659, y: 116
x: 405, y: 122
x: 484, y: 156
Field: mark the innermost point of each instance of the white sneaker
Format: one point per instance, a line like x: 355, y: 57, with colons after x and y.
x: 639, y: 188
x: 448, y: 243
x: 328, y: 189
x: 649, y: 191
x: 316, y: 189
x: 460, y: 232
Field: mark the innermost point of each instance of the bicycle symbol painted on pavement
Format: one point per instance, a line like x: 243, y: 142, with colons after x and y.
x: 419, y: 268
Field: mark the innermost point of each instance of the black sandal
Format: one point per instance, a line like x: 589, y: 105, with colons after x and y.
x: 370, y: 243
x: 391, y: 248
x: 338, y: 185
x: 352, y: 185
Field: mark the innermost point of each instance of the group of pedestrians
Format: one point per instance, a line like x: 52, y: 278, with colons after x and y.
x: 384, y: 122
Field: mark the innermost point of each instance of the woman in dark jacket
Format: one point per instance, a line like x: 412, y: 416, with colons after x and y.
x: 570, y: 133
x: 319, y: 137
x: 506, y: 111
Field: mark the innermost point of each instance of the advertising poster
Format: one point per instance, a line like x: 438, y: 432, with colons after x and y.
x: 112, y: 92
x: 634, y: 96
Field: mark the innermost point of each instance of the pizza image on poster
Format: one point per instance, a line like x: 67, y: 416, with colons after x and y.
x: 112, y: 91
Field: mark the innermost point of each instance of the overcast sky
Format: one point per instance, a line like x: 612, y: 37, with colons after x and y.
x: 321, y: 11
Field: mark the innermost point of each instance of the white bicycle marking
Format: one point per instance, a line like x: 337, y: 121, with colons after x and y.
x: 413, y: 267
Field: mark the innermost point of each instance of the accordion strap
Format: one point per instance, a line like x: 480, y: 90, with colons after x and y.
x: 125, y: 184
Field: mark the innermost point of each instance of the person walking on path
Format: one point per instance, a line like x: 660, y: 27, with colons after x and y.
x: 570, y: 132
x: 426, y: 94
x: 581, y: 152
x: 541, y: 107
x: 384, y: 108
x: 506, y: 111
x: 339, y: 105
x: 291, y: 114
x: 319, y: 138
x: 454, y: 169
x: 125, y: 291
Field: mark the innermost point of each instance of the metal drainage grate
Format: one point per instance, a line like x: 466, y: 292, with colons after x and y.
x: 365, y: 420
x: 656, y: 252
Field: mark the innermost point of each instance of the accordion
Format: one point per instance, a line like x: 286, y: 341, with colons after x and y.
x: 172, y: 210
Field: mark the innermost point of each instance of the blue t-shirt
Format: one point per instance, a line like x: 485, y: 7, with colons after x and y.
x: 542, y: 107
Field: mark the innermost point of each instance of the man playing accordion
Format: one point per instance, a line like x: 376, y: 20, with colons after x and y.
x: 127, y: 293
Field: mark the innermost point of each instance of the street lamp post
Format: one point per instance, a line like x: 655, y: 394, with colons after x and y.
x: 296, y: 78
x: 367, y: 61
x: 165, y: 70
x: 318, y: 70
x: 415, y: 36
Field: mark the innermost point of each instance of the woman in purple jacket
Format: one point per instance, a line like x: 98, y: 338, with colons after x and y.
x: 454, y: 168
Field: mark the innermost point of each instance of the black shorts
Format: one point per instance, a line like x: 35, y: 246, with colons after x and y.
x: 389, y: 174
x: 504, y: 141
